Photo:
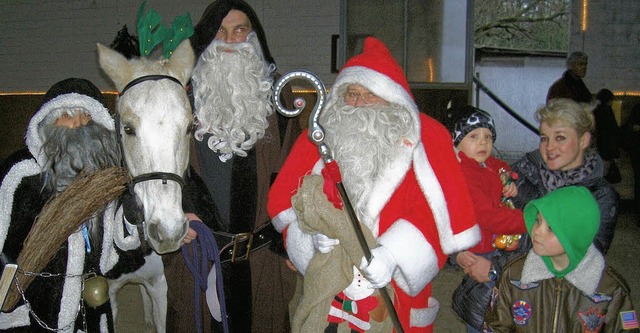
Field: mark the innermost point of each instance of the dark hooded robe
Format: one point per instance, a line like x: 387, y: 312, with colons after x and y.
x: 22, y: 197
x: 258, y: 290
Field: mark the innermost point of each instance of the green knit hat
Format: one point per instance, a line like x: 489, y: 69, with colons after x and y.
x: 573, y: 215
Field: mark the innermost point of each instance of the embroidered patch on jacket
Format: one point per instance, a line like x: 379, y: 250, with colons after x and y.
x: 521, y: 312
x: 591, y: 320
x: 524, y: 286
x: 629, y: 319
x: 600, y: 297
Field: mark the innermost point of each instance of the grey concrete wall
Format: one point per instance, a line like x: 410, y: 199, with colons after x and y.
x: 522, y: 84
x: 611, y: 40
x: 44, y: 41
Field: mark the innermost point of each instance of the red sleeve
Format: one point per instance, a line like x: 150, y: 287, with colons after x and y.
x: 486, y: 189
x: 439, y: 146
x: 303, y: 156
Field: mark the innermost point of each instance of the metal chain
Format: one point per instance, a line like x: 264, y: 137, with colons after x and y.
x: 81, y: 307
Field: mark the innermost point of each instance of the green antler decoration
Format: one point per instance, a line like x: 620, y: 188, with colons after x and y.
x: 151, y: 33
x: 180, y: 29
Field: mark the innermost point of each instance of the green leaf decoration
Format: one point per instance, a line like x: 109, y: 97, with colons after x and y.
x: 150, y: 32
x: 180, y: 29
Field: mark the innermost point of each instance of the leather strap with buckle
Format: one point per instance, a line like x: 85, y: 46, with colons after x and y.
x: 238, y: 247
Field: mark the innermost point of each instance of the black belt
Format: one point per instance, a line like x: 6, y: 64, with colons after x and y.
x: 238, y: 247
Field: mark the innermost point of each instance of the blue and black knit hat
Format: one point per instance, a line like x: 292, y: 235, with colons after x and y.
x: 460, y: 121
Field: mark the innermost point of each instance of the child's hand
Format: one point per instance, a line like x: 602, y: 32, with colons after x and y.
x: 510, y: 190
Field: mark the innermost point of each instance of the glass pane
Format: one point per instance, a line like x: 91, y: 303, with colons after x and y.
x: 436, y: 40
x: 383, y: 19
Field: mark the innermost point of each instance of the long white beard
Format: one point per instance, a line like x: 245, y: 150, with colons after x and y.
x: 364, y: 141
x: 232, y: 89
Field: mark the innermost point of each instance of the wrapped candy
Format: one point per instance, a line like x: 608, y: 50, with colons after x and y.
x: 506, y: 242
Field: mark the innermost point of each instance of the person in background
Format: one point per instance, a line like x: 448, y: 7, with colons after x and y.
x: 570, y: 85
x: 473, y: 133
x: 607, y: 135
x: 240, y: 144
x: 564, y: 284
x: 631, y: 132
x: 404, y: 182
x: 564, y: 158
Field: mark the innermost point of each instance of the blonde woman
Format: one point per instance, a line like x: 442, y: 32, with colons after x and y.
x: 565, y: 158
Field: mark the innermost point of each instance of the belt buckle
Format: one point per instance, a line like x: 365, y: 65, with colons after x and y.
x: 237, y: 238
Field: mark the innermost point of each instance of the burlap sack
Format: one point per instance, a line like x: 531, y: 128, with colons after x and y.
x: 327, y: 274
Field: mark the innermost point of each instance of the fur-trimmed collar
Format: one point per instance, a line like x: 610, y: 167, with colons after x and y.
x: 586, y: 276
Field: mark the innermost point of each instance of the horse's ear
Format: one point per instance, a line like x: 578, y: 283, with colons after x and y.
x: 115, y: 65
x: 182, y: 61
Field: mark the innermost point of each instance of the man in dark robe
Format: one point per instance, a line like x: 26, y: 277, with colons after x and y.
x: 241, y: 143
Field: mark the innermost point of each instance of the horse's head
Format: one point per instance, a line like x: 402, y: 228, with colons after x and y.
x: 155, y: 122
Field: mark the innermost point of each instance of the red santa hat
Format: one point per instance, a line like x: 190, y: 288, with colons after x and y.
x: 377, y: 70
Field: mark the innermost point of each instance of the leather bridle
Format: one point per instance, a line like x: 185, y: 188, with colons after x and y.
x: 164, y: 176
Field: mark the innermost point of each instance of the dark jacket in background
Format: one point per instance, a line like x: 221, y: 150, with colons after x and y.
x: 530, y: 186
x: 570, y: 86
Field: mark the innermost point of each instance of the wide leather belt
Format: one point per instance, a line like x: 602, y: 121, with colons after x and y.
x: 238, y: 247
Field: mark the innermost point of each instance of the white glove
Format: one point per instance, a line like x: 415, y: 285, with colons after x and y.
x: 380, y: 271
x: 323, y: 243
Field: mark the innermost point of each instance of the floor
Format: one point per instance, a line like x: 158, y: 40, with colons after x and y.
x: 622, y: 256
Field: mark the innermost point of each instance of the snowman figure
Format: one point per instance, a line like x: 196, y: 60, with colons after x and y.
x: 353, y: 305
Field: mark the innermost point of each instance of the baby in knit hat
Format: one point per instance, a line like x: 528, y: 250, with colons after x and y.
x: 473, y: 133
x: 564, y: 283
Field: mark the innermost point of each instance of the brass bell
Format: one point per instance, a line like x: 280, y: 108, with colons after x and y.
x: 96, y: 291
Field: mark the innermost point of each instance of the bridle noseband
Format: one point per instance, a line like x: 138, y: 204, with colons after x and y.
x: 164, y: 176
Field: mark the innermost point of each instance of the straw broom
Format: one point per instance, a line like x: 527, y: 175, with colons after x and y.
x: 61, y: 216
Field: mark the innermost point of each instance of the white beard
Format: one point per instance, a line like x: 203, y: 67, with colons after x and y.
x: 232, y: 96
x: 364, y: 141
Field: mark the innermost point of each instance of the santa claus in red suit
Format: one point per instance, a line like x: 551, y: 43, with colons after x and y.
x: 401, y: 174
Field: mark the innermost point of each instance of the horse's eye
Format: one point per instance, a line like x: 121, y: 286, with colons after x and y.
x: 129, y: 130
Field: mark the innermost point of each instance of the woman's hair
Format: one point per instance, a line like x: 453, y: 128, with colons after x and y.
x: 577, y: 115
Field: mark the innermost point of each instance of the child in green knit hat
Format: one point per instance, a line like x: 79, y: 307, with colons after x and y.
x: 563, y: 284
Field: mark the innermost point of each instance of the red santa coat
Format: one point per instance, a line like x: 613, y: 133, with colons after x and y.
x: 485, y: 188
x: 421, y: 212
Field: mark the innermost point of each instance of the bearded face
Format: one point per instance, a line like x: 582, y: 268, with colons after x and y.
x: 364, y: 141
x: 71, y: 150
x: 232, y: 89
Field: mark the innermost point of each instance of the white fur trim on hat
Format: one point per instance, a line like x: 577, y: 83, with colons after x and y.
x: 98, y: 113
x: 378, y: 83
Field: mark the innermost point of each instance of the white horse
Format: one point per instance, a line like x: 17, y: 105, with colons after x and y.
x: 154, y: 127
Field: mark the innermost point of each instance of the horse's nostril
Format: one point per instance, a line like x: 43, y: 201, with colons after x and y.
x: 153, y: 233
